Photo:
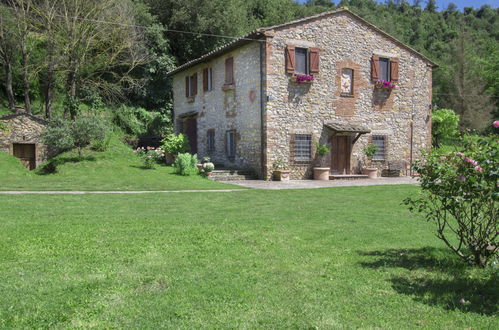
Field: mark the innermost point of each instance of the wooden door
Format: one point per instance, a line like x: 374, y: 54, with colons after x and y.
x: 191, y: 130
x: 341, y: 148
x: 26, y: 153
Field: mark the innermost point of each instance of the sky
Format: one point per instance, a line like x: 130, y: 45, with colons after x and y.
x: 442, y: 4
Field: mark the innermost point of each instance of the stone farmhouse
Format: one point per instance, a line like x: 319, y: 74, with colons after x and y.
x: 272, y: 94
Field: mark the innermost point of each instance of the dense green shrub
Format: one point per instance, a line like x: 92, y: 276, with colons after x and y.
x: 444, y: 125
x: 58, y: 135
x: 186, y: 164
x: 460, y: 194
x: 150, y: 156
x: 175, y: 144
x: 137, y: 121
x: 62, y: 134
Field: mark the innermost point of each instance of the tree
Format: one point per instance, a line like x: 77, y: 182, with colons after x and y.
x: 444, y: 125
x: 7, y: 51
x: 62, y: 134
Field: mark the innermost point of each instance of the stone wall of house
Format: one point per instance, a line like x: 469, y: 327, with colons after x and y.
x: 23, y: 129
x: 223, y: 109
x: 345, y: 42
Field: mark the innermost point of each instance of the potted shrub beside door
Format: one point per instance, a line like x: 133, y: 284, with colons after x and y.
x: 370, y: 150
x: 321, y: 172
x: 281, y: 171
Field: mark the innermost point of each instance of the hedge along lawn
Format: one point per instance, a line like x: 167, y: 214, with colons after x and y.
x: 328, y: 258
x: 118, y: 168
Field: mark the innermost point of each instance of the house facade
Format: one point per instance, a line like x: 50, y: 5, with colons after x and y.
x: 332, y: 78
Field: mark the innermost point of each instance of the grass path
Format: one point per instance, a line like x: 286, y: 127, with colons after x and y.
x: 349, y: 257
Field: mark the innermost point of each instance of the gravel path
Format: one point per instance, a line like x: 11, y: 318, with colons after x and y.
x: 310, y: 184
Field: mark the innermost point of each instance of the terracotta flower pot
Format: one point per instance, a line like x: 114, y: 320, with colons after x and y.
x: 281, y: 175
x: 321, y: 173
x: 371, y: 172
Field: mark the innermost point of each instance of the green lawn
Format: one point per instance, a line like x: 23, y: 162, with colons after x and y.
x: 326, y: 258
x: 118, y: 168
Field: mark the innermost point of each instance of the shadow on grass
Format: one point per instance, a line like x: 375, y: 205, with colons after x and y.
x: 50, y: 167
x: 443, y: 279
x: 142, y: 167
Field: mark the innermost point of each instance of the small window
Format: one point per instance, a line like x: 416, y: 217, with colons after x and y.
x: 211, y: 140
x: 347, y: 81
x: 229, y: 71
x: 379, y: 141
x: 231, y: 144
x: 210, y: 79
x: 207, y: 79
x: 191, y: 85
x: 301, y: 61
x: 384, y: 69
x: 303, y: 147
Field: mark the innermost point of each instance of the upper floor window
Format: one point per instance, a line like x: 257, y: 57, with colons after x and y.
x: 302, y: 60
x: 383, y: 68
x: 191, y: 85
x: 207, y: 79
x: 346, y: 81
x: 229, y: 71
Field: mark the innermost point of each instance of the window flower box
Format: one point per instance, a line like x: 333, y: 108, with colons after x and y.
x: 386, y: 85
x: 302, y: 78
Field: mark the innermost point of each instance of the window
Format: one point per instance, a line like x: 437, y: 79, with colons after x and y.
x: 191, y: 85
x: 379, y: 141
x: 384, y: 69
x: 230, y: 139
x: 303, y: 147
x: 229, y: 71
x: 347, y: 81
x: 210, y: 140
x: 207, y: 79
x: 301, y: 61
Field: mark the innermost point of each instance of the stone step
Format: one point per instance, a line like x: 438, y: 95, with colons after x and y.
x: 347, y: 176
x: 232, y: 175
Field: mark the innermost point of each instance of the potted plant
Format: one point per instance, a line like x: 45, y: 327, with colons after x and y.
x: 321, y: 172
x: 281, y: 171
x: 370, y: 150
x: 173, y: 145
x: 207, y: 166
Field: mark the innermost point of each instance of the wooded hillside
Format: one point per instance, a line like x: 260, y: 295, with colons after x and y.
x: 60, y: 55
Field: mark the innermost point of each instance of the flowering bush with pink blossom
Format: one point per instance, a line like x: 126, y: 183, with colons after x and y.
x: 460, y: 194
x: 150, y: 156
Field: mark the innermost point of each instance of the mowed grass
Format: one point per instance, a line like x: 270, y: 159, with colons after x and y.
x: 118, y: 168
x: 349, y: 257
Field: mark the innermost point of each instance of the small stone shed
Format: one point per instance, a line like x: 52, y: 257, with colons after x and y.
x: 20, y: 136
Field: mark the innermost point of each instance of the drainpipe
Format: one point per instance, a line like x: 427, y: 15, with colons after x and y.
x: 262, y: 110
x: 412, y: 142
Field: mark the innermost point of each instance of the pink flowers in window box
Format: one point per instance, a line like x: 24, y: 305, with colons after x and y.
x: 302, y: 78
x: 496, y: 124
x: 383, y: 84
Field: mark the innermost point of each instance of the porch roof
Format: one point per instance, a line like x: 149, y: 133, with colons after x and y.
x: 347, y: 127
